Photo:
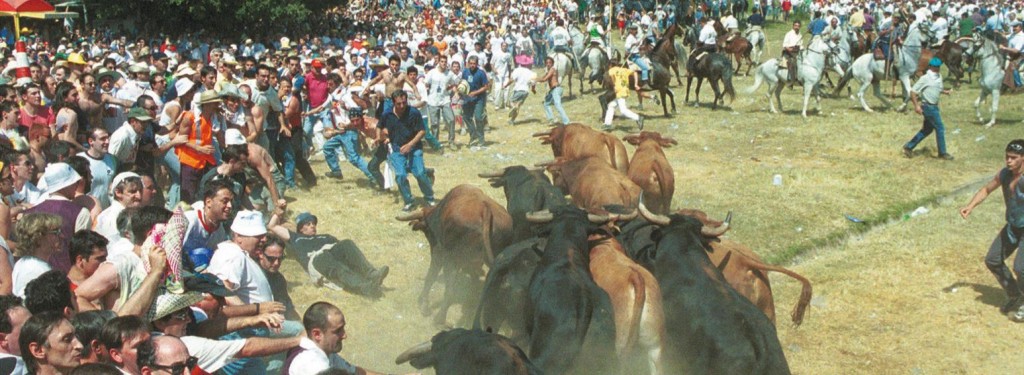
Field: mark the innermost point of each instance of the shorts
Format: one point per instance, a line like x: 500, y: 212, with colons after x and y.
x: 518, y: 96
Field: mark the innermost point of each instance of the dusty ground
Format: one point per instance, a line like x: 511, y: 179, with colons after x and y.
x: 909, y: 297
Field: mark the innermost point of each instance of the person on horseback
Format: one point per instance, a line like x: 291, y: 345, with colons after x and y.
x: 707, y: 43
x: 791, y: 45
x: 832, y: 32
x: 596, y: 32
x: 1013, y: 51
x: 560, y: 40
x: 731, y: 25
x: 632, y: 46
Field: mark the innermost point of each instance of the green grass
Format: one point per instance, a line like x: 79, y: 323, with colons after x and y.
x: 842, y: 161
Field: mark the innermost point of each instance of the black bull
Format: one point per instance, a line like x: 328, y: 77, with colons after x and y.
x: 526, y: 190
x: 461, y: 351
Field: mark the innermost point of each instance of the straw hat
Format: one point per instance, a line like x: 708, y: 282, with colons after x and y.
x: 209, y: 96
x: 167, y: 303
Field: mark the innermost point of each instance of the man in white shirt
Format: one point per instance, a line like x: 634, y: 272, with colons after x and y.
x: 501, y: 61
x: 1013, y: 50
x: 102, y: 164
x: 318, y: 350
x: 440, y: 82
x: 707, y: 41
x: 124, y: 143
x: 524, y: 80
x: 791, y: 45
x: 560, y: 40
x: 233, y: 264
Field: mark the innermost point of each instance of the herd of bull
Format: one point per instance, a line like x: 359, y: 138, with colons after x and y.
x: 610, y: 281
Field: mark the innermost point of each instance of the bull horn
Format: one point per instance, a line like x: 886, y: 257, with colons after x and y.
x: 415, y: 215
x: 542, y: 134
x: 538, y: 169
x: 600, y: 219
x: 493, y: 174
x: 545, y: 163
x: 660, y: 220
x: 415, y: 351
x: 539, y: 217
x: 717, y: 231
x: 629, y: 216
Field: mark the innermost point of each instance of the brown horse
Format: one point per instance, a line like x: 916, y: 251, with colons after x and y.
x: 951, y: 54
x: 736, y: 46
x: 667, y: 46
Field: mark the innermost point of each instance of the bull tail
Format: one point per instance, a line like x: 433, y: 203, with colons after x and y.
x: 758, y: 78
x: 805, y: 291
x: 488, y: 221
x: 639, y: 297
x: 727, y: 80
x: 610, y: 144
x: 666, y: 187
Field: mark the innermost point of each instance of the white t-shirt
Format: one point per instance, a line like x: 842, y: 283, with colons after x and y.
x: 523, y: 79
x: 312, y: 360
x: 124, y: 143
x: 27, y: 269
x: 231, y: 264
x: 19, y: 365
x: 106, y: 222
x: 102, y: 173
x: 212, y: 355
x: 197, y: 236
x: 437, y: 87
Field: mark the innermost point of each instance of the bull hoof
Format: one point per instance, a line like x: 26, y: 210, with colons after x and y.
x: 425, y: 308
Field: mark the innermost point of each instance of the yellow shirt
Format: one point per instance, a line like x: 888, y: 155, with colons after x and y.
x: 620, y: 79
x: 857, y: 19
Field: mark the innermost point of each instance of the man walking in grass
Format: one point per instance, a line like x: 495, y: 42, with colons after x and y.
x: 1008, y: 240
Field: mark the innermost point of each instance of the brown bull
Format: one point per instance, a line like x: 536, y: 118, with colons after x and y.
x: 951, y: 54
x: 593, y: 184
x: 635, y: 298
x: 748, y: 274
x: 465, y: 230
x: 578, y: 141
x: 650, y: 169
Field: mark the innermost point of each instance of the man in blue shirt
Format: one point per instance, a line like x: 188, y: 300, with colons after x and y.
x: 817, y: 25
x: 475, y: 102
x: 403, y: 127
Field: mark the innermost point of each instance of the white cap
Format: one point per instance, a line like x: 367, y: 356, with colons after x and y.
x: 249, y: 223
x: 234, y: 137
x: 59, y: 176
x: 182, y: 85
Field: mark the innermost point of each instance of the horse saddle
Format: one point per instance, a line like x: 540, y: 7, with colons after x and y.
x: 730, y: 38
x: 878, y: 54
x: 634, y: 67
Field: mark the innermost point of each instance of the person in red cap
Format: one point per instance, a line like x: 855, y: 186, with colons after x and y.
x: 316, y: 90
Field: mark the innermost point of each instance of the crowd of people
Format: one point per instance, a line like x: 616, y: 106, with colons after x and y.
x: 143, y: 216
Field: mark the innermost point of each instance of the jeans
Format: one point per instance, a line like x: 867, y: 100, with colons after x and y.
x: 380, y: 154
x: 412, y: 162
x: 639, y: 61
x: 309, y: 122
x: 554, y: 99
x: 284, y: 154
x: 256, y: 365
x: 436, y: 114
x: 428, y: 135
x: 345, y: 265
x: 170, y: 160
x: 387, y: 107
x: 932, y: 122
x: 301, y: 163
x: 473, y: 116
x: 1002, y: 247
x: 347, y: 142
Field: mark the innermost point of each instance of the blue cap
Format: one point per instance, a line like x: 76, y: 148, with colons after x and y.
x: 304, y: 218
x: 935, y: 61
x: 200, y: 258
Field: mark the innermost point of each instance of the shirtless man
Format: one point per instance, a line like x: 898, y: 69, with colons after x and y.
x: 393, y: 81
x: 554, y: 96
x: 260, y: 160
x: 91, y: 100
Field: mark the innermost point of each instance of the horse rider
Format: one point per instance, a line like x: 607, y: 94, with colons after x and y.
x: 939, y: 29
x: 596, y: 33
x: 817, y: 25
x: 560, y: 40
x: 832, y: 32
x: 791, y: 45
x: 730, y: 24
x: 890, y: 33
x: 707, y: 43
x: 1013, y: 50
x: 632, y: 47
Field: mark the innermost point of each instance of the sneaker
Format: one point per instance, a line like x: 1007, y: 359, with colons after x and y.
x: 1011, y: 304
x: 607, y: 127
x: 640, y: 123
x: 335, y: 174
x: 432, y: 203
x: 946, y: 157
x: 1018, y: 316
x: 908, y: 153
x: 409, y: 207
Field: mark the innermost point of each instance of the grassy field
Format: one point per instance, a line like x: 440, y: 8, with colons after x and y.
x: 907, y: 296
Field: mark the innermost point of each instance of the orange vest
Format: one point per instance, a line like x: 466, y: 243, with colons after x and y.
x: 202, y: 135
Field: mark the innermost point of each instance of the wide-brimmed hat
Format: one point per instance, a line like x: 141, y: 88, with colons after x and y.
x: 76, y: 58
x: 139, y: 67
x: 167, y: 303
x: 184, y: 71
x: 58, y: 176
x: 139, y: 114
x: 209, y: 96
x: 229, y: 60
x: 249, y: 223
x: 524, y: 60
x: 107, y: 73
x: 182, y: 85
x: 230, y: 90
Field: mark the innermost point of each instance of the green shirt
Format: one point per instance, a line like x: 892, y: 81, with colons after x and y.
x: 966, y: 26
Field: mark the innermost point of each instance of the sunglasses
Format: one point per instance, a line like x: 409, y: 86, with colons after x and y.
x: 179, y: 368
x: 273, y: 259
x: 182, y: 315
x: 1015, y: 147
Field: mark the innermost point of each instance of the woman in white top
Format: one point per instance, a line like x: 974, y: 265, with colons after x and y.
x: 39, y: 236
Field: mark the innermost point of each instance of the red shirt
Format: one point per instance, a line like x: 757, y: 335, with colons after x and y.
x: 317, y: 86
x: 44, y: 117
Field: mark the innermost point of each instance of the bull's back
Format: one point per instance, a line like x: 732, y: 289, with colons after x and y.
x: 599, y: 185
x: 560, y: 313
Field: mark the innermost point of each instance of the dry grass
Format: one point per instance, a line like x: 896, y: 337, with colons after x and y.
x: 884, y: 309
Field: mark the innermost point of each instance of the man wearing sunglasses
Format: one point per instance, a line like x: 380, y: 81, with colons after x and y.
x: 165, y: 355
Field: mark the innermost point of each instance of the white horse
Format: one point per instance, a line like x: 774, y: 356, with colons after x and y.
x: 906, y: 59
x: 564, y: 68
x: 987, y: 56
x: 811, y: 65
x: 757, y: 41
x: 868, y: 71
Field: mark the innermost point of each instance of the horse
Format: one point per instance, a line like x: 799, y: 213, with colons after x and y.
x: 660, y: 77
x: 735, y: 45
x: 860, y: 43
x: 563, y: 66
x: 986, y: 54
x: 597, y: 62
x: 869, y: 71
x: 809, y: 71
x: 951, y: 54
x: 714, y: 67
x: 755, y: 35
x: 907, y: 56
x: 667, y: 45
